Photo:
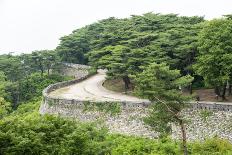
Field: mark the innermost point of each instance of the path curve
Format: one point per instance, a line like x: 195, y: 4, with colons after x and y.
x: 91, y: 89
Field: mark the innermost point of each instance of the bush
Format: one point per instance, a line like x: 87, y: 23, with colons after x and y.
x: 34, y: 134
x: 26, y: 132
x: 142, y: 146
x: 214, y: 146
x: 92, y: 71
x: 33, y: 85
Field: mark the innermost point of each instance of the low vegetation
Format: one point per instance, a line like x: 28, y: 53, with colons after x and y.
x: 26, y: 132
x: 205, y: 114
x: 112, y: 108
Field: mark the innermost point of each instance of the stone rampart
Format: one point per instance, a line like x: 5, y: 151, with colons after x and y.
x: 74, y: 70
x: 214, y: 106
x: 124, y: 117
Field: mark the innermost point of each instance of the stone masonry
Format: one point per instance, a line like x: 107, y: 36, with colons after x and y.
x: 129, y: 119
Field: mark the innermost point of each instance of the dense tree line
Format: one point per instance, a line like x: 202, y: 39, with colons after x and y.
x: 24, y: 77
x: 158, y: 55
x: 126, y: 46
x: 214, y: 62
x: 123, y: 46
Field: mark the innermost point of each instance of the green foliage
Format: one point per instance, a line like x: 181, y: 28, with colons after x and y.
x: 158, y: 81
x: 5, y: 108
x: 159, y: 119
x: 12, y: 67
x: 28, y: 107
x: 113, y: 108
x: 39, y: 61
x: 141, y: 146
x: 205, y: 114
x: 33, y: 85
x: 19, y: 78
x: 214, y: 60
x: 165, y: 146
x: 161, y: 85
x: 92, y: 71
x: 3, y: 84
x: 114, y: 59
x: 124, y: 46
x: 212, y: 146
x: 26, y: 132
x: 127, y: 48
x: 27, y: 87
x: 73, y: 47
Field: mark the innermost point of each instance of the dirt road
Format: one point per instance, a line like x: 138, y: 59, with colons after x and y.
x: 91, y: 89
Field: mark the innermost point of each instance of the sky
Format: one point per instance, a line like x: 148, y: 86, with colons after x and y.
x: 29, y: 25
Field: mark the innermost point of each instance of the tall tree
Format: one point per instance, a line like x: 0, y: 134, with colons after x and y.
x: 12, y: 67
x: 50, y: 60
x: 161, y: 86
x: 115, y: 60
x: 42, y: 61
x: 215, y: 54
x: 73, y: 47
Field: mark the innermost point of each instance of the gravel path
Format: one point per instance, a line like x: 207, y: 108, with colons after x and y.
x: 91, y: 89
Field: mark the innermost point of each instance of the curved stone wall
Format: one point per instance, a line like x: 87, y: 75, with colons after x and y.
x: 81, y: 73
x: 127, y: 121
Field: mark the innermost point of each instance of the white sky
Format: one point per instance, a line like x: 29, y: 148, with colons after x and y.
x: 27, y: 25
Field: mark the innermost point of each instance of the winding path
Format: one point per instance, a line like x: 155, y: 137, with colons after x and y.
x: 91, y: 89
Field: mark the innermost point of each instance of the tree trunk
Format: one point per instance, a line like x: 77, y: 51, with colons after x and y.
x: 15, y: 100
x: 184, y: 138
x: 126, y: 81
x: 224, y: 92
x: 190, y: 89
x: 41, y: 72
x: 217, y: 92
x: 41, y: 68
x: 230, y: 90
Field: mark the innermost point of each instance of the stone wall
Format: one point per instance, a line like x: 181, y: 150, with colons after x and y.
x: 74, y: 70
x: 201, y: 126
x: 214, y: 106
x: 129, y: 119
